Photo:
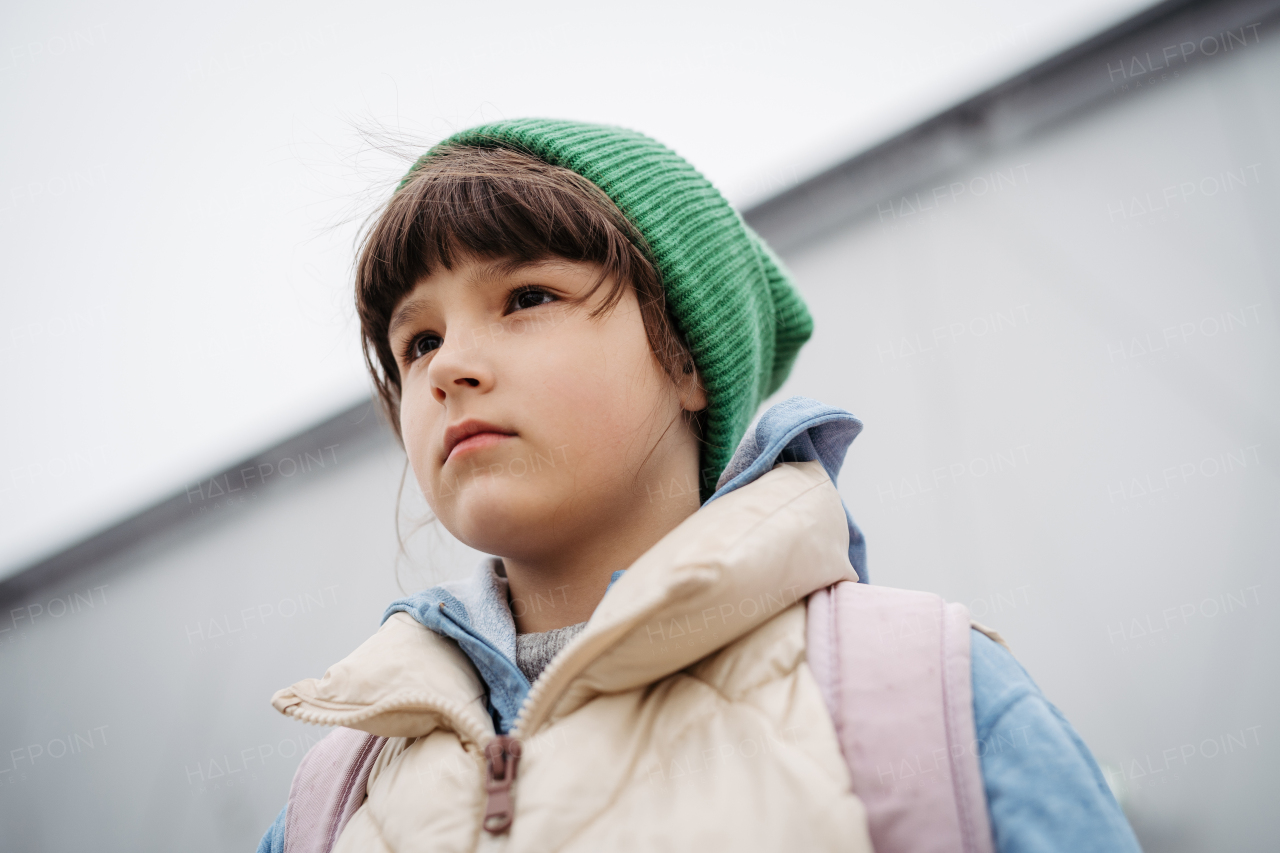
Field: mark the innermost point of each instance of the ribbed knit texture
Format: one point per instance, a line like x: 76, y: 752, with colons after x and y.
x: 730, y: 296
x: 535, y: 651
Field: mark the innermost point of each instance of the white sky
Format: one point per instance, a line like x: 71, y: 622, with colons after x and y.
x: 177, y: 183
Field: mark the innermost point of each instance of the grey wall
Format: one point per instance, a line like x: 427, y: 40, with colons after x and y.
x: 136, y: 709
x: 1071, y: 410
x: 1070, y: 386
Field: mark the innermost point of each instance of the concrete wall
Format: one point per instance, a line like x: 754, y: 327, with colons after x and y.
x: 1068, y: 373
x: 136, y: 709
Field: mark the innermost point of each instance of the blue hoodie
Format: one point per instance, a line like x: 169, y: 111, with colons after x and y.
x: 1045, y: 792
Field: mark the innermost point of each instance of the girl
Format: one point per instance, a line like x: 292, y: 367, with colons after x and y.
x: 571, y: 331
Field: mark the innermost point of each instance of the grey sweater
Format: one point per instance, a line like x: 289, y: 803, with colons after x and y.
x: 535, y: 651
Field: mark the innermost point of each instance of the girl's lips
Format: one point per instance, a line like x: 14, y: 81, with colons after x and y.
x: 472, y: 428
x: 478, y: 441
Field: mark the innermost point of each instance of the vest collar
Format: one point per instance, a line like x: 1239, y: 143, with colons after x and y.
x: 725, y: 570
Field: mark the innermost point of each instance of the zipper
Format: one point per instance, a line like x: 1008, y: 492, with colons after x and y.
x: 456, y: 714
x: 502, y: 752
x: 500, y: 797
x: 502, y: 756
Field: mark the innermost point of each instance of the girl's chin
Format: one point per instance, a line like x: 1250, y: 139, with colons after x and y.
x: 485, y: 515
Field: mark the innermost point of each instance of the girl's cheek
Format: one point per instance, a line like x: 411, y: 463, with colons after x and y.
x: 416, y: 427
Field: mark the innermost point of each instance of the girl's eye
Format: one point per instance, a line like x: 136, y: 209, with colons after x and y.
x: 530, y: 297
x: 421, y: 345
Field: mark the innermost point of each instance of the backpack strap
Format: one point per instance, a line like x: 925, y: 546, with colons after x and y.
x: 893, y: 668
x: 328, y: 788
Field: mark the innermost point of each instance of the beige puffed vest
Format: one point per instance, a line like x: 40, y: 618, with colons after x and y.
x: 683, y: 718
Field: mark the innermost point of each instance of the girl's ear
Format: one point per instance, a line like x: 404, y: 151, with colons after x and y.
x: 693, y: 397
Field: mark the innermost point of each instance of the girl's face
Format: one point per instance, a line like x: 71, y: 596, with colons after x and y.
x: 527, y: 421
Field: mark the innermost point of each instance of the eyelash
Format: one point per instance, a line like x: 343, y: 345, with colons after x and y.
x: 408, y: 352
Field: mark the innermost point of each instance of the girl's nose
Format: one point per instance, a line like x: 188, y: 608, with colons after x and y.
x: 458, y: 369
x: 469, y: 381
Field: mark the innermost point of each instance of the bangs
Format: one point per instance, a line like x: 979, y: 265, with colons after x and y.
x: 491, y: 203
x: 499, y: 204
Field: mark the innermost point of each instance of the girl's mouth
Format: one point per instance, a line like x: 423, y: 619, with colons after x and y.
x: 472, y: 435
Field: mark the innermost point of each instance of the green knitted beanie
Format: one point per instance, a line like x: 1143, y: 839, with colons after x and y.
x: 730, y: 296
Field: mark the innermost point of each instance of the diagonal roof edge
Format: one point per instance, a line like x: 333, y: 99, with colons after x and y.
x: 353, y: 429
x: 1062, y: 86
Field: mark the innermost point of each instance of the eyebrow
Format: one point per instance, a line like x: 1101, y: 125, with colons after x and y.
x: 412, y: 308
x: 404, y: 315
x: 509, y: 267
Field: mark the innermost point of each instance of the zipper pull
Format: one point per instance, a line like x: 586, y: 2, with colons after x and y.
x: 502, y: 754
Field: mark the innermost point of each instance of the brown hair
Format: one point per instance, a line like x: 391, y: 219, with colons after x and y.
x: 497, y: 203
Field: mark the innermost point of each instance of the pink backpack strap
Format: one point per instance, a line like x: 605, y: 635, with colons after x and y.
x: 893, y: 667
x: 328, y: 788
